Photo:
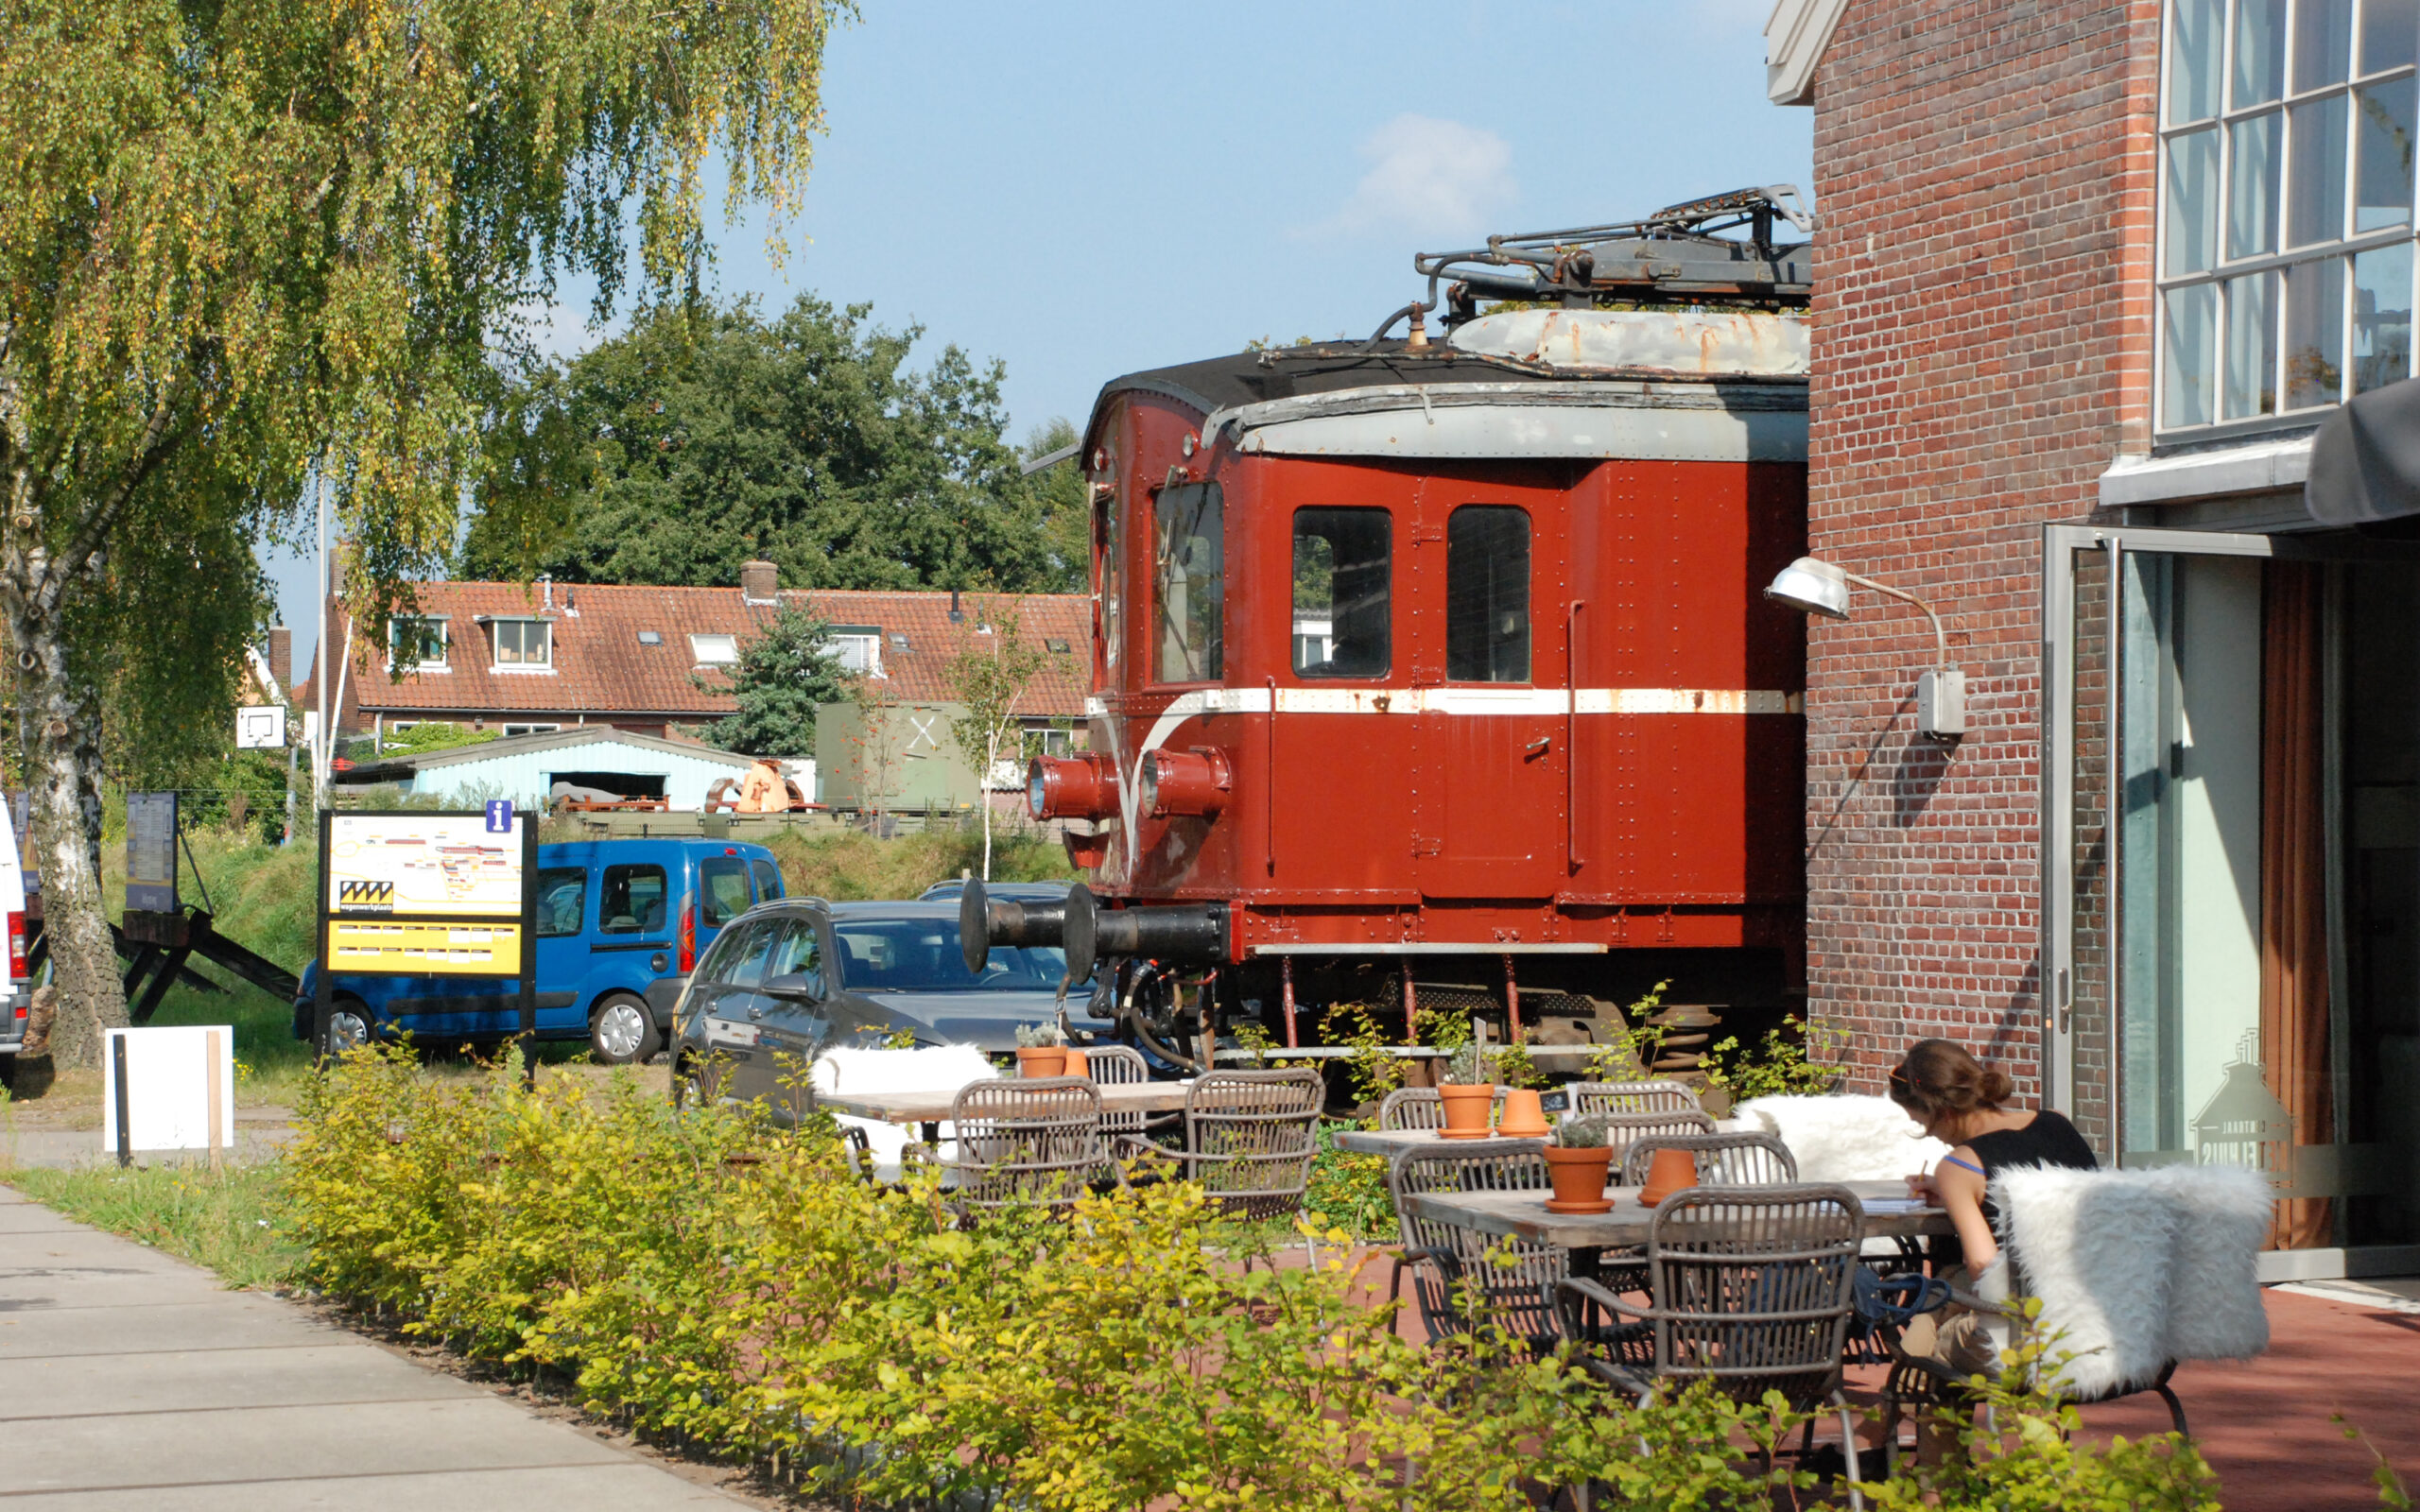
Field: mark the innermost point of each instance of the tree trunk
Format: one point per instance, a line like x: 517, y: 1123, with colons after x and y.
x: 63, y: 732
x: 983, y: 797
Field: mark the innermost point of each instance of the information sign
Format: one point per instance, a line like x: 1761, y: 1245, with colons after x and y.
x: 151, y: 853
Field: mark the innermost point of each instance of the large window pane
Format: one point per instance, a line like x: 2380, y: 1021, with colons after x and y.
x: 2192, y: 201
x: 2323, y: 42
x: 2381, y: 316
x: 2250, y: 379
x: 2382, y: 155
x: 2260, y: 52
x: 2251, y: 186
x: 2389, y: 34
x: 2188, y: 355
x: 2314, y: 333
x: 1191, y: 577
x: 1487, y: 594
x: 2193, y: 60
x: 1342, y: 592
x: 2315, y: 188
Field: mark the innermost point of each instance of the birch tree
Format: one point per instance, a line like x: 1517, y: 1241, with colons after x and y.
x: 989, y: 671
x: 247, y: 248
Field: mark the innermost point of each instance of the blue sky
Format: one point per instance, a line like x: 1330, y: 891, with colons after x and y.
x: 1083, y: 190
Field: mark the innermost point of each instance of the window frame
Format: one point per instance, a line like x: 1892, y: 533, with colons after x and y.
x: 737, y: 865
x: 697, y: 649
x: 1217, y: 506
x: 521, y: 624
x: 1529, y: 677
x: 2342, y: 249
x: 640, y: 926
x: 426, y: 621
x: 1293, y: 538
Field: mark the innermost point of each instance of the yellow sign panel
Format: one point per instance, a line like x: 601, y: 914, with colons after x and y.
x: 398, y: 949
x: 423, y: 863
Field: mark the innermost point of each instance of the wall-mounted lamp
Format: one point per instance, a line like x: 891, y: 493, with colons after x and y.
x: 1819, y: 587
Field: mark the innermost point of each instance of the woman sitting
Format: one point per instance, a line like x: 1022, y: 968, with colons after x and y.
x: 1964, y: 1103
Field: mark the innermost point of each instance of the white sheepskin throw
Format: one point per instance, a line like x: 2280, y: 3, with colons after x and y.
x: 2095, y: 1247
x: 844, y: 1071
x: 2216, y: 1312
x: 1845, y: 1138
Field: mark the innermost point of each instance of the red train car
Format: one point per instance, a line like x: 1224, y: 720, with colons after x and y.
x: 1435, y: 675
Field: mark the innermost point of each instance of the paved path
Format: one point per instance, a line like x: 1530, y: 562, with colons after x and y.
x: 129, y: 1379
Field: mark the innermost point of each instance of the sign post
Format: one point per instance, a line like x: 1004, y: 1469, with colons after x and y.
x: 419, y: 892
x: 151, y: 853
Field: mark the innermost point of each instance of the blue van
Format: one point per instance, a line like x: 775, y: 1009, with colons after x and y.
x: 621, y: 923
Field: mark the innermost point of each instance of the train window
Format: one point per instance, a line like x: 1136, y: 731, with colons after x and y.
x: 1343, y: 570
x: 1487, y: 594
x: 1189, y: 567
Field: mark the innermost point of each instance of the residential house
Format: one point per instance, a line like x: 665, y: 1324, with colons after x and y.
x: 2090, y: 275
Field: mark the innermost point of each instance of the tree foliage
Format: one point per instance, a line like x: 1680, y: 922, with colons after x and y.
x: 241, y: 242
x: 782, y: 676
x: 697, y: 439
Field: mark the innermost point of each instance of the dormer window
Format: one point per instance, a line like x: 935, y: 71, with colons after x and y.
x: 859, y: 649
x: 524, y: 643
x: 416, y: 643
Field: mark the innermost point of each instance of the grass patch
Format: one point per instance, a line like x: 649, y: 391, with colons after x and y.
x: 851, y: 865
x: 225, y: 1222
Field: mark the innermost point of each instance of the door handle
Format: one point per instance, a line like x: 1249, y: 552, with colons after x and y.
x: 1539, y: 746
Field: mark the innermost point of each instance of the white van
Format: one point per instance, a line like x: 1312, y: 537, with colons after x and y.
x: 16, y: 992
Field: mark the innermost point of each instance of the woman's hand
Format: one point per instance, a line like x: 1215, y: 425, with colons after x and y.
x: 1921, y: 1188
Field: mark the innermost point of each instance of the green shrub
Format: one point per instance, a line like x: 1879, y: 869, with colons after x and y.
x: 849, y: 864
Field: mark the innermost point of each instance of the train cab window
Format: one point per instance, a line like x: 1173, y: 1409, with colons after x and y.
x: 1343, y: 570
x: 1487, y: 594
x: 1189, y: 572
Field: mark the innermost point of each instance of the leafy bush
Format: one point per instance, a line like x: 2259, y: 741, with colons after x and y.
x: 710, y: 1278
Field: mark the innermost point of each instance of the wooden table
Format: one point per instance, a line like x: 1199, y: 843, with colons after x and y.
x: 1523, y: 1215
x: 931, y: 1107
x: 1393, y: 1142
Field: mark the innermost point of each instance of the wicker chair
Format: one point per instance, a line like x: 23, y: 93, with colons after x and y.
x: 1122, y: 1066
x: 1631, y: 1097
x: 1443, y: 1259
x: 1420, y: 1107
x: 1032, y: 1144
x: 1623, y: 1129
x: 1749, y: 1288
x: 1723, y: 1160
x: 1249, y: 1137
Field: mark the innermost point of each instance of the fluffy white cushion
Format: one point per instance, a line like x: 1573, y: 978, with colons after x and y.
x: 2136, y: 1268
x: 848, y: 1070
x: 1844, y: 1138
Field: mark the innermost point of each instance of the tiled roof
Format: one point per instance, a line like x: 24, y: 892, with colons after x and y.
x: 602, y: 669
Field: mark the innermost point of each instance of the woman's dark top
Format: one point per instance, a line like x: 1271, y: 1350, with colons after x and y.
x: 2050, y: 1140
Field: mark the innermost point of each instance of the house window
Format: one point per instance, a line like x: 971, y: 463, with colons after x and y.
x: 1058, y: 743
x: 2285, y: 266
x: 1190, y: 575
x: 524, y: 643
x: 713, y: 650
x: 416, y: 643
x: 650, y: 637
x: 859, y: 649
x: 530, y: 730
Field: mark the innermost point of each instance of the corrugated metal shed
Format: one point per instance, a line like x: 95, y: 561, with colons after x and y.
x: 526, y: 767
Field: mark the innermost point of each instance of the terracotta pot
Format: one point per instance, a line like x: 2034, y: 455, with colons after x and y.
x: 1036, y: 1061
x: 1524, y: 1116
x: 1466, y: 1109
x: 1670, y: 1171
x: 1579, y: 1176
x: 1078, y: 1065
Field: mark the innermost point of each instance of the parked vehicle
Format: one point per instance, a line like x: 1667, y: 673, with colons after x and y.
x: 621, y: 923
x: 796, y: 977
x: 16, y: 992
x: 948, y: 891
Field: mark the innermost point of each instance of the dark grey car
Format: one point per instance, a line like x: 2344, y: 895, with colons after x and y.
x: 790, y: 979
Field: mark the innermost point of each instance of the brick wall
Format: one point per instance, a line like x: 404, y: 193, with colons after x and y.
x: 1983, y: 175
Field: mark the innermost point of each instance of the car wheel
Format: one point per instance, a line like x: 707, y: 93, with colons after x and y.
x: 622, y: 1031
x: 348, y: 1028
x: 695, y: 1083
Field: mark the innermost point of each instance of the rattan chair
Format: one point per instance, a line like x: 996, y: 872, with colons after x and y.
x: 1631, y: 1097
x: 1722, y: 1160
x: 1749, y: 1288
x: 1457, y: 1280
x: 1420, y: 1107
x: 1123, y: 1066
x: 1249, y: 1137
x: 1623, y: 1129
x: 1033, y: 1144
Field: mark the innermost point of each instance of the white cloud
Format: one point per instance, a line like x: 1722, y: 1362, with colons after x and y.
x: 1429, y: 178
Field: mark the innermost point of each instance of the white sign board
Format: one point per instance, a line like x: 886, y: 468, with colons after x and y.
x: 260, y: 727
x: 177, y: 1080
x: 443, y: 866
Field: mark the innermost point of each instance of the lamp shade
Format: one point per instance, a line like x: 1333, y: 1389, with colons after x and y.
x: 1814, y: 585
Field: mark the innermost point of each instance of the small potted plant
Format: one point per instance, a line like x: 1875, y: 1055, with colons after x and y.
x: 1578, y: 1162
x: 1468, y: 1093
x: 1040, y: 1050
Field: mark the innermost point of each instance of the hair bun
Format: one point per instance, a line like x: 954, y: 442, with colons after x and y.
x: 1996, y: 1087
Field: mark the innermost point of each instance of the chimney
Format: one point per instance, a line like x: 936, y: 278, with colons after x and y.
x: 758, y: 582
x: 281, y: 659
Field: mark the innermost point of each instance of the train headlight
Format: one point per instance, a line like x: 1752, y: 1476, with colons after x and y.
x: 1192, y: 781
x: 1075, y: 787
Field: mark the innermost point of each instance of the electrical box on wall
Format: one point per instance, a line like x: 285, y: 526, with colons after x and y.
x: 1941, y: 704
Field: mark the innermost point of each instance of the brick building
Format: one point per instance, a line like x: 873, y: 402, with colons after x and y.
x: 2089, y: 277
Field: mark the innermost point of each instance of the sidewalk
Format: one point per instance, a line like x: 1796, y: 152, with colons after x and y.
x: 129, y: 1379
